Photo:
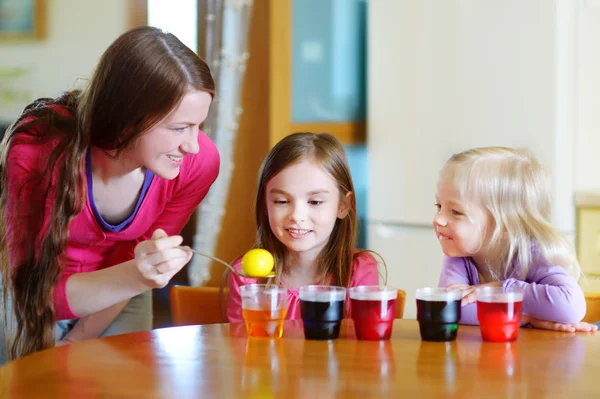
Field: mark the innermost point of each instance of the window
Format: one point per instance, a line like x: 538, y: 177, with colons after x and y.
x: 179, y: 17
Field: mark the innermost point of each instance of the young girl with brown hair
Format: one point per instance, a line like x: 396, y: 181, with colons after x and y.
x: 306, y: 217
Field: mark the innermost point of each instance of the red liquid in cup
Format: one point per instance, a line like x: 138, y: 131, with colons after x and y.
x: 499, y: 321
x: 373, y: 319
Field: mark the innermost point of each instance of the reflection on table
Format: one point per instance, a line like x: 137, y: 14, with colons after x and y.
x: 218, y: 360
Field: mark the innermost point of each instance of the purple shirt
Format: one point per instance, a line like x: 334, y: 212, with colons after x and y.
x: 549, y: 292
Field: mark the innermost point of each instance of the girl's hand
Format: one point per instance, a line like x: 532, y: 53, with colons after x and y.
x: 551, y: 325
x: 468, y: 291
x: 158, y: 260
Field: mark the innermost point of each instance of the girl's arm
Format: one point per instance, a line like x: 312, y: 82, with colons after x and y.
x: 93, y: 325
x: 455, y: 272
x: 550, y: 294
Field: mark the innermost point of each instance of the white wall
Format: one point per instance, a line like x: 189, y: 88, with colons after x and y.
x: 448, y: 75
x: 587, y: 176
x: 78, y: 32
x: 555, y: 44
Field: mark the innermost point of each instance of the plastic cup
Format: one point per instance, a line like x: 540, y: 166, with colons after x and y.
x: 322, y: 310
x: 499, y: 313
x: 263, y: 309
x: 373, y: 311
x: 438, y: 313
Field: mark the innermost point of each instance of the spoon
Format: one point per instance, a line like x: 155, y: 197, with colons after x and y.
x: 231, y: 268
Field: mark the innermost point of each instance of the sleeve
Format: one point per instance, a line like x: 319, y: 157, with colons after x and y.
x: 365, y: 270
x: 24, y: 200
x: 454, y: 271
x: 550, y: 293
x: 234, y: 300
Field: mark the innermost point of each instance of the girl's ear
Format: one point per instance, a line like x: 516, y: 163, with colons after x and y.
x: 345, y: 205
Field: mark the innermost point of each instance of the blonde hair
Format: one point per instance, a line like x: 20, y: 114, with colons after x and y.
x: 513, y: 187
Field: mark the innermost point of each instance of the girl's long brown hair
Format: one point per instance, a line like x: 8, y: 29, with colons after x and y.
x: 139, y: 80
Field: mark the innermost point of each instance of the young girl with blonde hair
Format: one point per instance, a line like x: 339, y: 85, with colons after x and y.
x: 493, y: 224
x: 306, y: 217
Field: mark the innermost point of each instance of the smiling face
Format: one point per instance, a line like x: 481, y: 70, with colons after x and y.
x: 162, y: 148
x: 462, y: 226
x: 303, y: 205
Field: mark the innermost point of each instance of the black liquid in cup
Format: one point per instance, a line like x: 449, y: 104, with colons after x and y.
x: 322, y: 310
x: 438, y: 313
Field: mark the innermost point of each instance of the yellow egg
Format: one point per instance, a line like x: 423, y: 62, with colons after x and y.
x: 258, y: 262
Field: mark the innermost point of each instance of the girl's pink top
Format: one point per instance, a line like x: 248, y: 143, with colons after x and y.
x: 364, y: 272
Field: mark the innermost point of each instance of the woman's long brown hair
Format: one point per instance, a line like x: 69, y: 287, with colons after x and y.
x: 139, y: 80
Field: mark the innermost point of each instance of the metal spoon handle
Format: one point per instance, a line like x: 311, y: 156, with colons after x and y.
x: 185, y: 248
x: 233, y: 270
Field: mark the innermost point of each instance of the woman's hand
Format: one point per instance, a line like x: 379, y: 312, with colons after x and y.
x: 554, y: 326
x: 468, y: 291
x: 158, y: 259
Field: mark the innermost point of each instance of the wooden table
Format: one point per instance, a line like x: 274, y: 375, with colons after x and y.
x: 219, y: 361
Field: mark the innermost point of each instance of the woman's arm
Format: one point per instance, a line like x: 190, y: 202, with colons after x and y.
x: 156, y: 262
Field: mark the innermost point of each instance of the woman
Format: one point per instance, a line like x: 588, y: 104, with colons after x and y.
x: 97, y: 185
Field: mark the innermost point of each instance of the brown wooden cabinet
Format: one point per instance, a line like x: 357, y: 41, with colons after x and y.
x: 266, y: 118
